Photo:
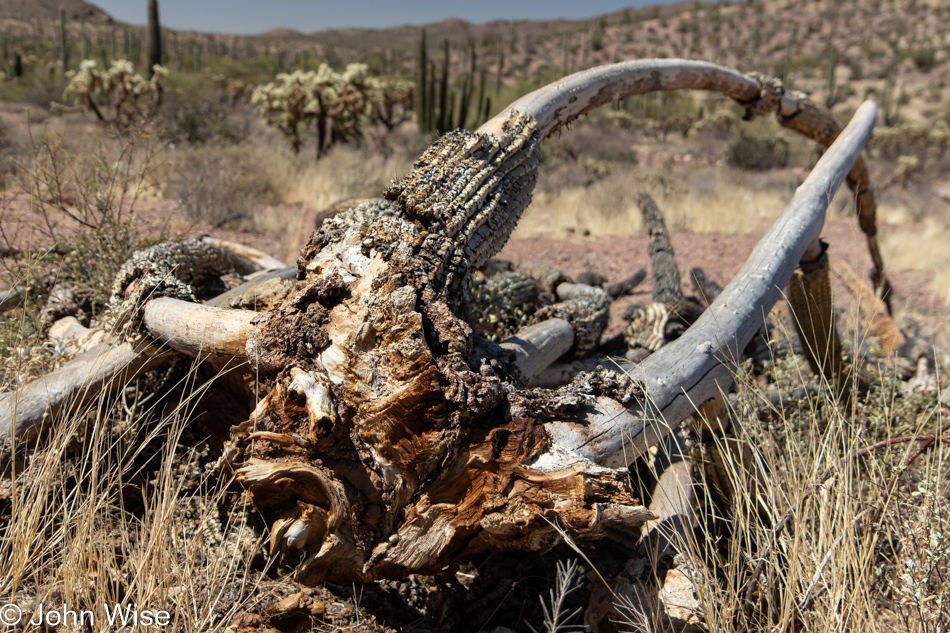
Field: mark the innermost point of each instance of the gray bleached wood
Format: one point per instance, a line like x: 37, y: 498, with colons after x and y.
x: 10, y: 299
x: 560, y: 103
x: 258, y: 257
x: 539, y: 345
x: 107, y: 366
x: 198, y: 330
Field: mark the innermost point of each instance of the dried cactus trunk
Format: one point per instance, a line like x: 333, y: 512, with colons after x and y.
x: 666, y: 276
x: 389, y: 446
x: 809, y: 295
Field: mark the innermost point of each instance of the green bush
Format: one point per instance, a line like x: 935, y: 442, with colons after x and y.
x: 758, y: 153
x: 184, y: 118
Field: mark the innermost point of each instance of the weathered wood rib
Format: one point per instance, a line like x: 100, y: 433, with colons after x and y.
x: 695, y: 367
x: 25, y: 412
x: 200, y: 331
x: 562, y: 102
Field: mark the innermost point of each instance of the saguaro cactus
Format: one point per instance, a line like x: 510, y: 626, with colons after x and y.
x: 422, y: 94
x: 154, y: 37
x: 63, y: 44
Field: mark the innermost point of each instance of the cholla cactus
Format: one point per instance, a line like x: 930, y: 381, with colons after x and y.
x: 907, y: 168
x: 129, y: 94
x: 335, y: 104
x: 289, y: 104
x: 393, y: 99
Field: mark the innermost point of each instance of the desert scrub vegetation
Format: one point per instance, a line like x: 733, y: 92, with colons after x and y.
x: 117, y: 508
x: 68, y: 221
x: 83, y: 203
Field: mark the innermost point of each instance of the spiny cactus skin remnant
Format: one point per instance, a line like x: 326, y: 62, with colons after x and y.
x: 503, y: 304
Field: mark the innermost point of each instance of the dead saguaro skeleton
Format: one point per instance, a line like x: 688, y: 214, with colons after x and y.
x: 393, y: 441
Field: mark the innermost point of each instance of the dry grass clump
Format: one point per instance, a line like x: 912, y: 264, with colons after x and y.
x: 344, y: 172
x: 820, y: 513
x: 222, y: 185
x: 718, y: 200
x: 117, y: 507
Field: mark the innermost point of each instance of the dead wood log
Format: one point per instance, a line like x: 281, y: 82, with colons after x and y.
x: 256, y: 256
x: 255, y: 291
x: 666, y: 276
x: 25, y: 412
x: 539, y: 345
x: 809, y: 297
x: 12, y: 298
x: 626, y: 285
x: 655, y: 585
x: 197, y: 330
x: 705, y: 287
x: 673, y: 503
x: 74, y: 336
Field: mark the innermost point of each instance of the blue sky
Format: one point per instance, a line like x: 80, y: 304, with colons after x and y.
x: 257, y: 16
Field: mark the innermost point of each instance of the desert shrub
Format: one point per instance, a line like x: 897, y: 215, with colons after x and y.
x: 758, y: 153
x: 906, y: 138
x: 908, y: 167
x: 721, y: 121
x: 219, y: 185
x: 184, y: 118
x: 84, y: 209
x: 924, y: 54
x: 334, y: 105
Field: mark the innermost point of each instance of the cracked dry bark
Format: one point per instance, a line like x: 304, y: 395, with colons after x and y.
x: 391, y: 442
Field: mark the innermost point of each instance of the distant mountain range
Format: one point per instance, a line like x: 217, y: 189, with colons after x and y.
x: 405, y: 36
x: 30, y: 10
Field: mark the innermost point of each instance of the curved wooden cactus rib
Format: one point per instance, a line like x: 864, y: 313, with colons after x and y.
x: 562, y: 102
x: 695, y: 367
